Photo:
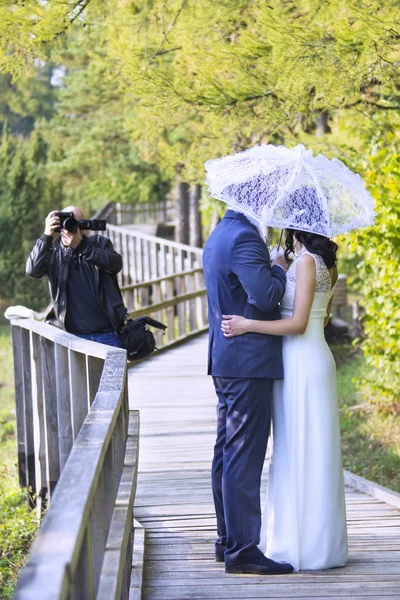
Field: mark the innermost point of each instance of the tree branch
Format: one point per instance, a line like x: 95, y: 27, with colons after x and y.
x: 370, y: 103
x: 82, y: 4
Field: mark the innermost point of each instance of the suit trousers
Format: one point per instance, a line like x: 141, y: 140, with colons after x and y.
x: 243, y: 427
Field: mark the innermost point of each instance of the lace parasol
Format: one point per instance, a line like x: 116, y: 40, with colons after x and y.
x: 291, y: 188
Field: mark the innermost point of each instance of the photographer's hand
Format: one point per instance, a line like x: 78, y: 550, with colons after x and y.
x: 71, y: 240
x: 52, y: 223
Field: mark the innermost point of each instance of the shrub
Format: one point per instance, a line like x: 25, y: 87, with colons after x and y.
x: 378, y: 251
x: 18, y: 525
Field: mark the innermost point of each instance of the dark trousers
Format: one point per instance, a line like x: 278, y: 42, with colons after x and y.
x: 243, y: 426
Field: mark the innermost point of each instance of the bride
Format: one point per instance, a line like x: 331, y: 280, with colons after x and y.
x: 305, y: 516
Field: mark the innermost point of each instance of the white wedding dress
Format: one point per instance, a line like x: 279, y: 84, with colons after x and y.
x: 304, y: 519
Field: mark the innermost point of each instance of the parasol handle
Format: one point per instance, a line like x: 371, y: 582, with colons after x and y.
x: 280, y: 240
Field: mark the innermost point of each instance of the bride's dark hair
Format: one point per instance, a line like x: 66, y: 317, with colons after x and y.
x: 314, y: 243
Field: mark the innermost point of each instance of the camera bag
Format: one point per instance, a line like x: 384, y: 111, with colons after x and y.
x: 137, y: 339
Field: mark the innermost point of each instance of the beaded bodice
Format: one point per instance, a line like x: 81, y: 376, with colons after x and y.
x: 323, y: 291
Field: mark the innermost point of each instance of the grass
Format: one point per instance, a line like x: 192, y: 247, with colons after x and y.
x: 17, y: 523
x: 370, y: 440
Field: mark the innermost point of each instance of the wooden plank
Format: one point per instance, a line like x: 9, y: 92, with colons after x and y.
x: 28, y: 410
x: 174, y: 500
x: 16, y: 334
x: 64, y: 413
x: 372, y: 489
x: 119, y: 546
x: 63, y: 547
x: 170, y: 311
x: 63, y: 338
x: 94, y: 367
x: 178, y: 301
x: 51, y: 416
x: 191, y: 304
x: 152, y: 238
x: 78, y: 389
x: 136, y: 583
x: 163, y: 278
x: 39, y: 423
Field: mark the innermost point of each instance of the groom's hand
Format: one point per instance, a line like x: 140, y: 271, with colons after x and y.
x: 279, y: 260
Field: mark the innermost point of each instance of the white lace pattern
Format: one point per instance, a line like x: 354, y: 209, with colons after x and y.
x: 323, y: 291
x: 291, y: 188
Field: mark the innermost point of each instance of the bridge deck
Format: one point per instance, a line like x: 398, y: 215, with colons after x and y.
x: 174, y: 501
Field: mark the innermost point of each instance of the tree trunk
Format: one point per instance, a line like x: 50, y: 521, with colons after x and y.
x: 322, y: 124
x: 196, y: 236
x: 182, y: 212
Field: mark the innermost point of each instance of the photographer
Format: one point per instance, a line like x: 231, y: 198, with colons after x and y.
x: 82, y: 278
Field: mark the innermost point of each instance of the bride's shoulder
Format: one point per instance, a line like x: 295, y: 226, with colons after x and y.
x: 305, y: 266
x: 306, y: 260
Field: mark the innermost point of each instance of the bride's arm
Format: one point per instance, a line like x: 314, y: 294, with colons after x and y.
x: 233, y: 325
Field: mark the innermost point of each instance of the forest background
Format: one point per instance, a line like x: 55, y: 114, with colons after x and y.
x: 125, y: 100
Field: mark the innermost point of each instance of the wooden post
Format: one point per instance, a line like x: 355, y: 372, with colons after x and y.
x: 153, y: 260
x: 340, y: 296
x: 170, y: 311
x: 19, y: 405
x: 50, y: 405
x: 180, y: 288
x: 118, y: 441
x: 79, y: 392
x: 83, y: 583
x: 98, y: 528
x: 28, y: 409
x: 132, y: 261
x: 201, y: 302
x: 125, y: 261
x: 191, y: 304
x: 139, y: 260
x: 39, y: 424
x: 148, y: 246
x: 158, y: 334
x: 357, y: 324
x: 65, y: 435
x: 94, y: 369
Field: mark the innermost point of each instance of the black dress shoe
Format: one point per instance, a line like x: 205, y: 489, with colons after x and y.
x: 260, y: 566
x: 220, y: 553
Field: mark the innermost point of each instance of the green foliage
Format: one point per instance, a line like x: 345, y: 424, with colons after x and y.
x: 26, y: 196
x: 92, y: 150
x: 18, y: 526
x: 378, y: 252
x: 370, y: 440
x: 175, y: 83
x: 29, y: 27
x: 17, y: 523
x: 27, y: 100
x: 211, y: 78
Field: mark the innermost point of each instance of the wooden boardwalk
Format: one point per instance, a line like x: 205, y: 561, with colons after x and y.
x: 174, y: 502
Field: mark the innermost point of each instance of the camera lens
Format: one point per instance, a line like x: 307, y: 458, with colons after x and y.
x: 71, y: 225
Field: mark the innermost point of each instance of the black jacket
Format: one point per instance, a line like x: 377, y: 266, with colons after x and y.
x: 97, y: 255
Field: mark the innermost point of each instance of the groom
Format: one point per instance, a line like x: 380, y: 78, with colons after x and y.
x: 240, y: 280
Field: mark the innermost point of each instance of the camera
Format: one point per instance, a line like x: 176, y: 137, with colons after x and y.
x: 68, y: 222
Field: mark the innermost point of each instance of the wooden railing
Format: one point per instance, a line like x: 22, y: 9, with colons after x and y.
x: 73, y: 417
x: 147, y: 257
x: 177, y: 300
x: 161, y: 211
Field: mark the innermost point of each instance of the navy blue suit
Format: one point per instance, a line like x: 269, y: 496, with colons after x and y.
x: 240, y: 281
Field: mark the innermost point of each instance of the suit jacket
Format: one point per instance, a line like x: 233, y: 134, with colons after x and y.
x: 240, y: 281
x: 99, y: 261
